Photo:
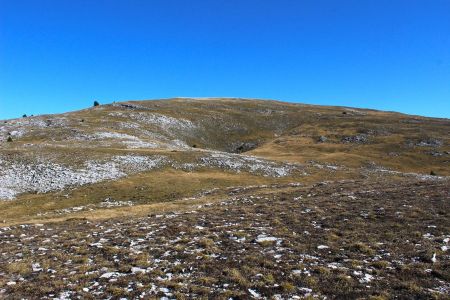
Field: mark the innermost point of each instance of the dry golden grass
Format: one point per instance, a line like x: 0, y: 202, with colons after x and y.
x: 393, y: 246
x: 280, y: 131
x: 152, y: 192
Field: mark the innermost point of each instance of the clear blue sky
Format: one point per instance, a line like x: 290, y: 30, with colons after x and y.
x: 60, y: 55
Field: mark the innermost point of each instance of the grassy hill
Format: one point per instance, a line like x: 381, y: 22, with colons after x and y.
x: 219, y: 198
x: 163, y: 150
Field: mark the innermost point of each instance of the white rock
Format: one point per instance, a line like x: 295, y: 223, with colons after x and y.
x: 109, y: 275
x: 366, y: 278
x: 36, y: 267
x: 263, y: 238
x: 306, y: 290
x: 254, y: 293
x: 136, y: 270
x: 43, y: 177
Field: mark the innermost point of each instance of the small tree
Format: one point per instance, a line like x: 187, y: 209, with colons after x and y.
x: 24, y: 116
x: 9, y: 139
x: 96, y: 103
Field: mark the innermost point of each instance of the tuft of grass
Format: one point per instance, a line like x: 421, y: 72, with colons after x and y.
x: 380, y: 264
x: 22, y: 268
x: 269, y: 279
x: 362, y: 248
x: 206, y: 243
x: 323, y: 271
x: 236, y: 276
x: 207, y: 280
x: 287, y: 287
x: 267, y: 243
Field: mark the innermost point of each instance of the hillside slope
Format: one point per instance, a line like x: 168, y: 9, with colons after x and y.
x: 141, y: 152
x: 224, y: 199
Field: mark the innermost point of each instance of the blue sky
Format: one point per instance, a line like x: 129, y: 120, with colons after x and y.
x: 60, y: 55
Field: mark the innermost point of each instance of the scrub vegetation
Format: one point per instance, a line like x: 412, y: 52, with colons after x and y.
x: 224, y: 198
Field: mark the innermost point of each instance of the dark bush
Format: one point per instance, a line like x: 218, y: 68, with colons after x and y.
x: 9, y: 139
x: 96, y: 103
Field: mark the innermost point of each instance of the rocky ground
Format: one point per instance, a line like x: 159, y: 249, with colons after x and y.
x: 346, y: 239
x: 39, y: 175
x: 224, y: 198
